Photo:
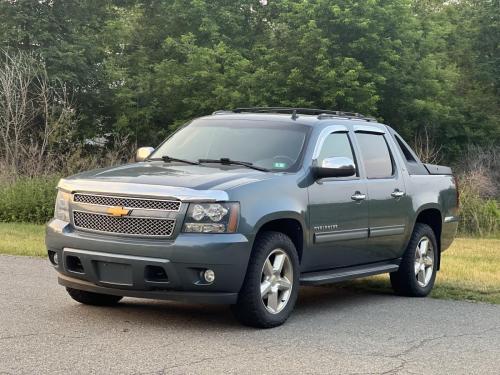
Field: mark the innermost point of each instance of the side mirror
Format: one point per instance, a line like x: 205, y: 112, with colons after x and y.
x: 143, y: 153
x: 335, y: 167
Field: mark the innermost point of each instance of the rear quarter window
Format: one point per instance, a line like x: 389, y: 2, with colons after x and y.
x: 406, y: 152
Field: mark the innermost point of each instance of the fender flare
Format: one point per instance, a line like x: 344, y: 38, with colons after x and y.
x: 279, y: 215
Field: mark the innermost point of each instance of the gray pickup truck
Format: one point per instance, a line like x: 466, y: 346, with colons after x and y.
x: 243, y: 206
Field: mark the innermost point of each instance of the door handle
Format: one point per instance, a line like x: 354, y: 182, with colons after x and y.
x: 357, y: 196
x: 397, y: 193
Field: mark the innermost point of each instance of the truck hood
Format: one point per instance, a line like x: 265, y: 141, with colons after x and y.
x: 197, y: 177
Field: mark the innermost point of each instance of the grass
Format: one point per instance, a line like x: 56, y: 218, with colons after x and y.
x: 22, y: 239
x: 470, y: 268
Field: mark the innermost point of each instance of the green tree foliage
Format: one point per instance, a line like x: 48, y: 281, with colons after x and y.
x: 66, y: 35
x: 144, y: 67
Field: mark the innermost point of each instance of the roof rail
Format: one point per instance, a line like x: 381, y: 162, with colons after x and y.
x: 349, y: 115
x: 304, y: 111
x: 321, y: 113
x: 221, y: 112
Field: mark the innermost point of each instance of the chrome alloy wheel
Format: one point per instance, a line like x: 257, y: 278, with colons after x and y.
x: 276, y: 281
x: 424, y: 261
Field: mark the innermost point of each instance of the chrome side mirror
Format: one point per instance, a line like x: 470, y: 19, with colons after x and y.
x: 335, y: 167
x: 143, y: 153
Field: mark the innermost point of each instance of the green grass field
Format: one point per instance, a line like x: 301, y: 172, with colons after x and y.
x: 470, y: 269
x: 22, y: 239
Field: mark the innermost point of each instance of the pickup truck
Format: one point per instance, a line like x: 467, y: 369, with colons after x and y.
x: 243, y: 206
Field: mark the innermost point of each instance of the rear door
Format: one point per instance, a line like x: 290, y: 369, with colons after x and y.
x: 338, y: 209
x: 388, y: 204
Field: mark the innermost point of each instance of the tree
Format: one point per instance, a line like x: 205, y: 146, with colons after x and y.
x: 140, y: 68
x: 35, y: 115
x: 66, y: 37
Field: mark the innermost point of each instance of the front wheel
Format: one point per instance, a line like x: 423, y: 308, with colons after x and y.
x: 418, y: 268
x: 271, y: 284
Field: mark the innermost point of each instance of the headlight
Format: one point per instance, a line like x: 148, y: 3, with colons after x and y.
x: 61, y: 211
x: 212, y: 218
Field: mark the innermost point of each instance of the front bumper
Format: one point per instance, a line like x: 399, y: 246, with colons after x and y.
x: 127, y: 266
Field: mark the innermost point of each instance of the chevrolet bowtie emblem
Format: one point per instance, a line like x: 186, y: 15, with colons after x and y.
x: 118, y: 211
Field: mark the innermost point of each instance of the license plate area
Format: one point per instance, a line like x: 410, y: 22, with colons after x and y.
x: 114, y: 273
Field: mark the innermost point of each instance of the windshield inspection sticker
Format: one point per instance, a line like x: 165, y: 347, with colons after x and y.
x: 280, y: 165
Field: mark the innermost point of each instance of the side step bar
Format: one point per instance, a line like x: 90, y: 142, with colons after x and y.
x: 347, y: 273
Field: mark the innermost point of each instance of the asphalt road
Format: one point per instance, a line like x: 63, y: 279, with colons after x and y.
x: 332, y: 331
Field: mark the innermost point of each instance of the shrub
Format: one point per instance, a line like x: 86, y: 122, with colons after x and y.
x: 478, y: 216
x: 28, y: 200
x: 479, y: 179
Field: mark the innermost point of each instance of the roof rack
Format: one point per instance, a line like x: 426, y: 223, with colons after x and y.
x: 222, y: 112
x: 321, y: 113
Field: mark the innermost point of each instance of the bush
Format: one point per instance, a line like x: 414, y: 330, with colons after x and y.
x: 29, y: 200
x: 479, y: 184
x: 478, y: 216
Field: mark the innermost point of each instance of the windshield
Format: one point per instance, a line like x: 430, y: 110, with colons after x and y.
x: 270, y: 145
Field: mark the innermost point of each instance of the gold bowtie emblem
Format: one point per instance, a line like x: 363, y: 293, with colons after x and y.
x: 118, y: 211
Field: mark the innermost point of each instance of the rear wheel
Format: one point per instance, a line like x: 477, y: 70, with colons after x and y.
x: 96, y: 299
x: 417, y: 272
x: 271, y: 284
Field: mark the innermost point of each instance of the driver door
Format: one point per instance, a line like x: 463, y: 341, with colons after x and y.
x: 338, y: 212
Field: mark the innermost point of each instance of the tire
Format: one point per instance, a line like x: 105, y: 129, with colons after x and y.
x: 413, y: 278
x: 95, y: 299
x: 273, y: 308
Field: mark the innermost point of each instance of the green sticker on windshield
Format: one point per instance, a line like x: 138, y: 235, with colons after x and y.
x: 280, y: 165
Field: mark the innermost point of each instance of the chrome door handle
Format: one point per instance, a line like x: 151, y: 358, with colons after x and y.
x: 397, y: 193
x: 357, y: 196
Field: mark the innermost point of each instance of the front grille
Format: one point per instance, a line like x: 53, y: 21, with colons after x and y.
x: 150, y: 204
x: 127, y: 225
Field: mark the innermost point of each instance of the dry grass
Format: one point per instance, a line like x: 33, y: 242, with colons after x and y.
x: 470, y: 268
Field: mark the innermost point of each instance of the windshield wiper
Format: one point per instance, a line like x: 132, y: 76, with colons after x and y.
x: 227, y: 161
x: 168, y: 159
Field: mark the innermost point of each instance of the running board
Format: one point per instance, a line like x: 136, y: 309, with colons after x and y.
x: 347, y: 273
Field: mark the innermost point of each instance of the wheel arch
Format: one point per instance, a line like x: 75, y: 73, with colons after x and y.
x: 289, y: 224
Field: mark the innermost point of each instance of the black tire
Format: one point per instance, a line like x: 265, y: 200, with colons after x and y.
x: 404, y: 281
x: 250, y: 309
x: 95, y: 299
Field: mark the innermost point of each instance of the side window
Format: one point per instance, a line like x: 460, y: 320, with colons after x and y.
x: 375, y: 154
x: 336, y: 145
x: 407, y: 154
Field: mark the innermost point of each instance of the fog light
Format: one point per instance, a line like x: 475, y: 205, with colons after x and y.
x: 209, y: 276
x: 53, y: 257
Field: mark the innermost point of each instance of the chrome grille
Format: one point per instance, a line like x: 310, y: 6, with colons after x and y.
x: 127, y: 225
x: 150, y: 204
